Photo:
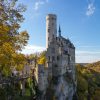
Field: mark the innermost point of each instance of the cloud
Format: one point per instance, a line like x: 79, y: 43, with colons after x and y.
x: 86, y: 53
x: 29, y: 49
x: 87, y: 56
x: 89, y: 46
x: 90, y: 9
x: 39, y: 3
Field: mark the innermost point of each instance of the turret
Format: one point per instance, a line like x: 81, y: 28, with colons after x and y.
x: 51, y: 28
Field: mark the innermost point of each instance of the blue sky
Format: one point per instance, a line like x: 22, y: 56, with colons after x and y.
x: 79, y: 21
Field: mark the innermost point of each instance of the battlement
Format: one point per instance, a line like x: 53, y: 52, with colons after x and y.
x: 51, y: 16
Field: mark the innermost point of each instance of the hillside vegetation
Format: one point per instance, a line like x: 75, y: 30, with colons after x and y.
x: 88, y: 81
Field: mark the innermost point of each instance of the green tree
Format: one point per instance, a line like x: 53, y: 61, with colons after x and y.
x: 11, y: 41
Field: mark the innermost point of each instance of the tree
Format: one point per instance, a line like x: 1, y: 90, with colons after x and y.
x: 88, y: 81
x: 42, y: 58
x: 11, y: 41
x: 33, y: 58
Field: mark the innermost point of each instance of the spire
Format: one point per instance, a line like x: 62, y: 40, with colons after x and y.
x: 59, y: 31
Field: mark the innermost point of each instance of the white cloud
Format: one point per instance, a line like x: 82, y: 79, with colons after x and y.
x: 29, y: 49
x: 89, y: 46
x: 39, y: 3
x: 90, y: 9
x: 87, y: 56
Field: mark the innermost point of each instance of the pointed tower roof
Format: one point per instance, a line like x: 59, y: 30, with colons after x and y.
x: 59, y: 31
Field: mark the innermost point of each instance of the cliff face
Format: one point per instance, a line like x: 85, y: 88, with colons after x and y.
x: 61, y: 88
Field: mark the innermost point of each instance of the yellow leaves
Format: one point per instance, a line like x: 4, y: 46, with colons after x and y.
x: 42, y: 60
x: 23, y: 36
x: 19, y: 61
x: 1, y: 8
x: 19, y: 67
x: 6, y: 71
x: 6, y: 49
x: 88, y: 81
x: 5, y: 53
x: 4, y: 36
x: 4, y: 28
x: 10, y: 40
x: 9, y: 58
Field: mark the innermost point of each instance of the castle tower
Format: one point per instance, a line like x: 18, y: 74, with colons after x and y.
x: 51, y: 28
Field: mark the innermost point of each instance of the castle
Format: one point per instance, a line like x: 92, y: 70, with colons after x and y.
x: 57, y: 78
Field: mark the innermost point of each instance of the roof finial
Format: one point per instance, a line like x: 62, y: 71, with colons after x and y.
x: 59, y: 31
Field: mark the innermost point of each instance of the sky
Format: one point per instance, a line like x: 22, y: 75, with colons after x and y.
x: 79, y: 21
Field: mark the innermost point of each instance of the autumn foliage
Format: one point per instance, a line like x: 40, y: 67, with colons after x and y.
x: 11, y: 40
x: 88, y: 81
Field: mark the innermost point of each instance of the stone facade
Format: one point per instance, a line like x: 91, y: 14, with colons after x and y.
x: 60, y: 65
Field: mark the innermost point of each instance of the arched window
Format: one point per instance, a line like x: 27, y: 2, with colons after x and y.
x: 57, y: 57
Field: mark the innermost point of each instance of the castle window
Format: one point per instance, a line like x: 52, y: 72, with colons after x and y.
x: 59, y: 39
x: 56, y: 38
x: 65, y: 52
x: 53, y: 58
x: 52, y: 24
x: 49, y: 58
x: 70, y: 58
x: 52, y: 18
x: 53, y: 36
x: 48, y: 30
x: 53, y: 50
x: 55, y: 65
x: 57, y: 57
